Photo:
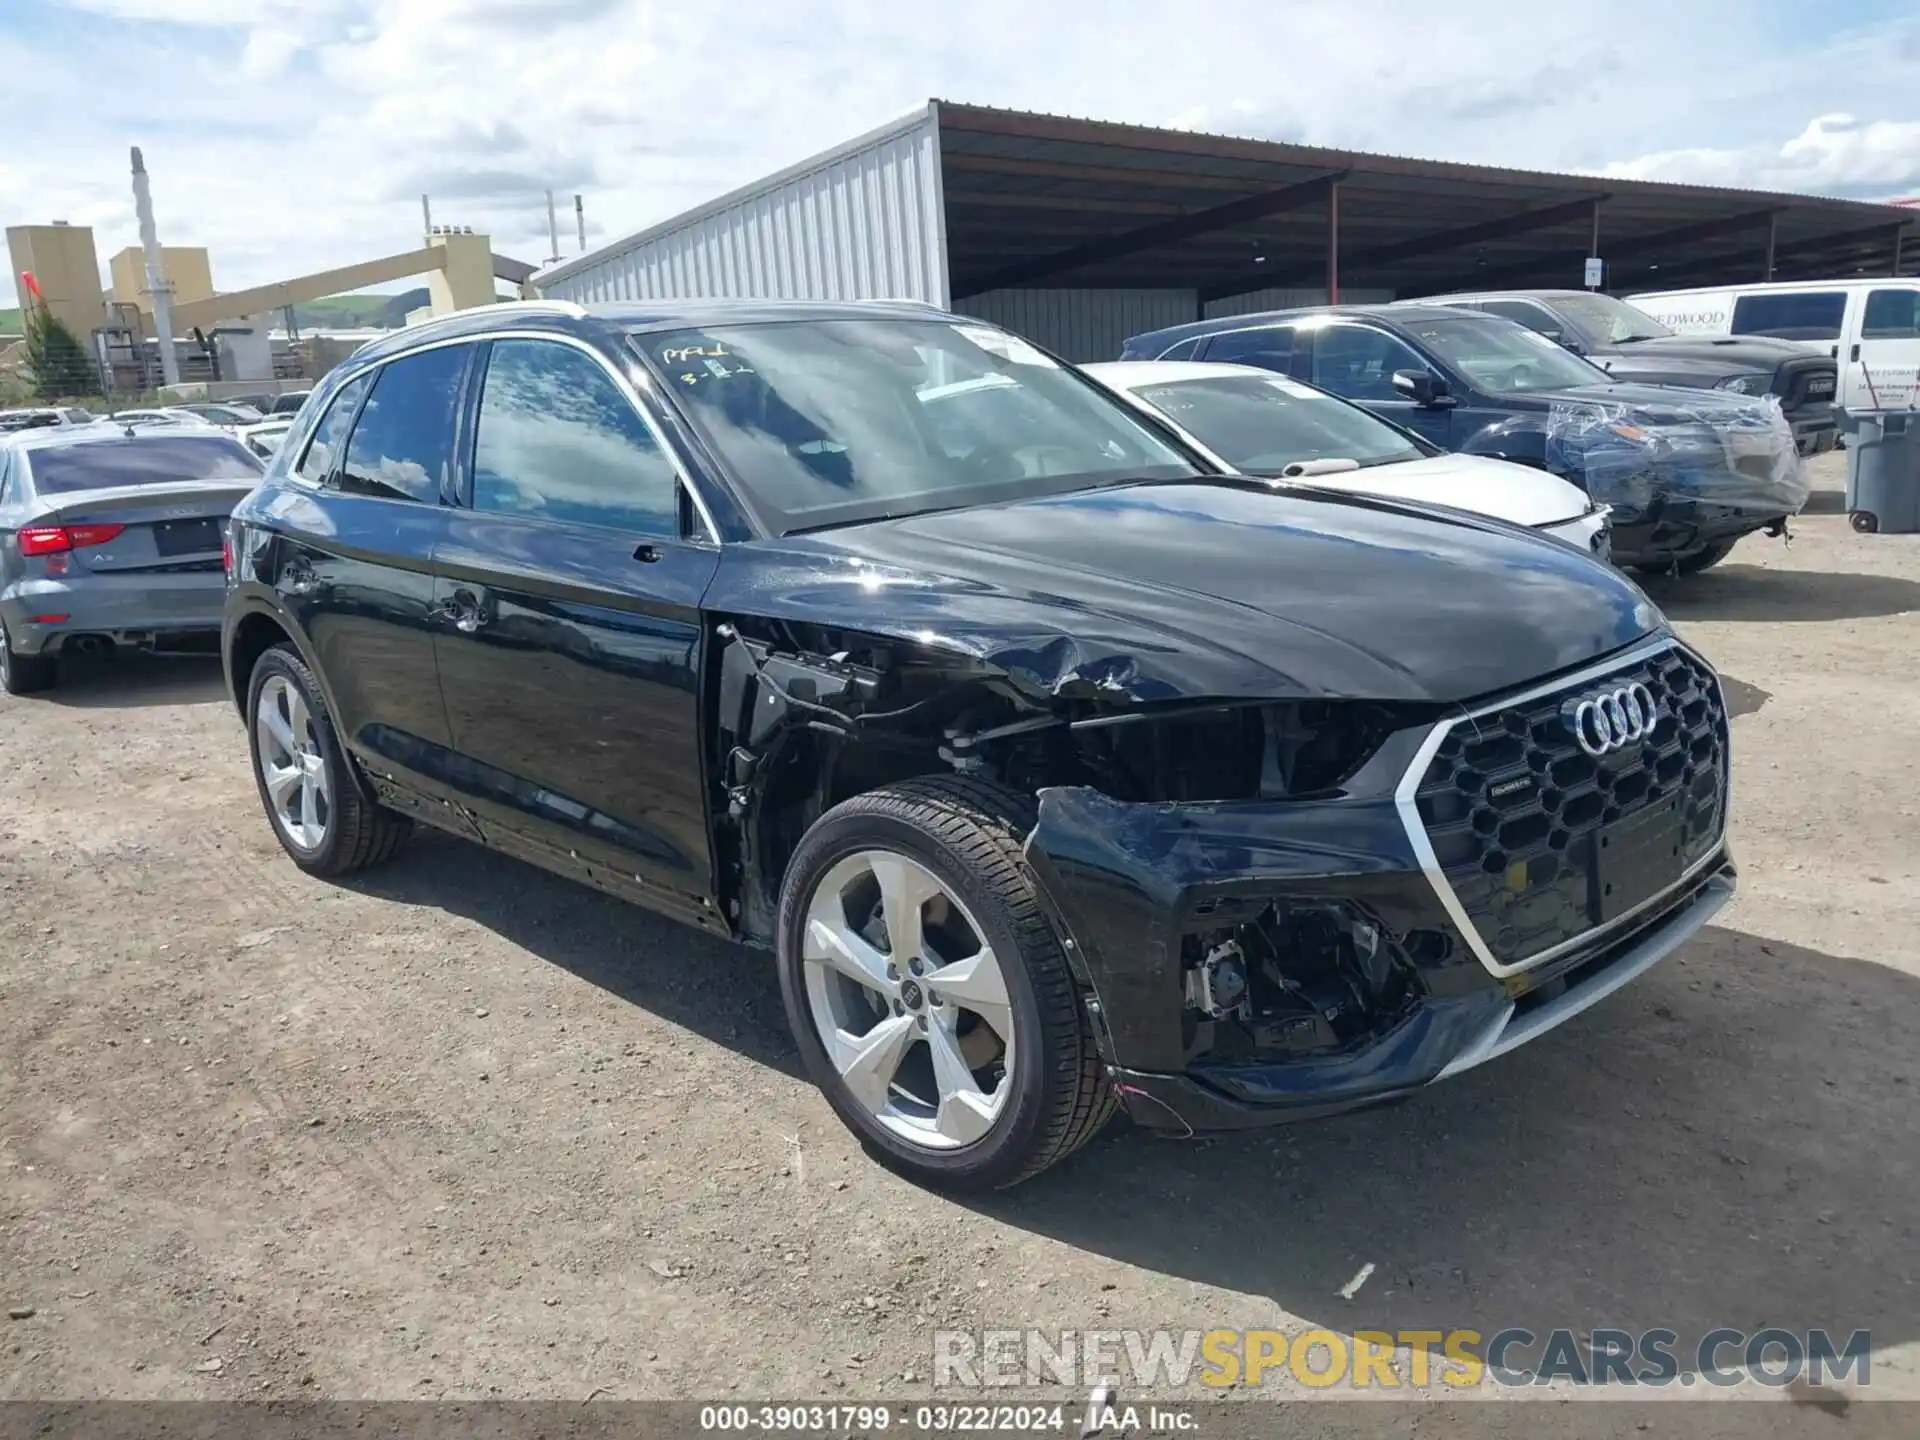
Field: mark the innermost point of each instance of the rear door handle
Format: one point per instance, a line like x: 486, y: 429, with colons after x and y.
x: 462, y: 609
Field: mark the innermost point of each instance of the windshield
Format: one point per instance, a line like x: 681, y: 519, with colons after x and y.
x: 1610, y: 321
x: 143, y: 460
x: 1500, y: 358
x: 1262, y: 424
x: 828, y: 422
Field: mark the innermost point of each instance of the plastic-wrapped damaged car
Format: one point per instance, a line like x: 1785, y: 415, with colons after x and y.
x: 1058, y: 769
x: 1686, y: 472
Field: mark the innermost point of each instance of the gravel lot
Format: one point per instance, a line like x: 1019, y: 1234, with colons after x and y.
x: 461, y: 1129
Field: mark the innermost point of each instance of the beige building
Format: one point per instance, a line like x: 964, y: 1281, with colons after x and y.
x: 189, y: 275
x: 65, y: 266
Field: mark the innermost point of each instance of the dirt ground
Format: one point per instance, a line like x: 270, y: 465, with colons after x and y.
x: 462, y: 1129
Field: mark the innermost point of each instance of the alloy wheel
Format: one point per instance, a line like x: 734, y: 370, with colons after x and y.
x: 291, y: 764
x: 909, y: 1000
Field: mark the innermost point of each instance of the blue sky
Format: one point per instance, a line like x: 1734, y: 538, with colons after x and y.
x: 292, y: 135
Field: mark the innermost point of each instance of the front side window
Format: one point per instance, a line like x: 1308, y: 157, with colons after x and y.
x: 140, y: 460
x: 1270, y: 348
x: 1262, y: 425
x: 330, y: 435
x: 830, y: 422
x: 1891, y: 315
x: 1811, y: 315
x: 1521, y: 312
x: 559, y: 440
x: 1359, y: 362
x: 402, y: 443
x: 1504, y: 359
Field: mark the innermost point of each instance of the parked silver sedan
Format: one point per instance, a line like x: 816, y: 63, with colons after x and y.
x: 112, y: 536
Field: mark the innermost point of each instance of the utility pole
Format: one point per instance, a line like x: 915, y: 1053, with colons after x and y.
x: 426, y: 216
x: 157, y: 287
x: 553, y: 233
x: 580, y: 217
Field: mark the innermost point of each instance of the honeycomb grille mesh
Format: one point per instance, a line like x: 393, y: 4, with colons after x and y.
x: 1541, y: 842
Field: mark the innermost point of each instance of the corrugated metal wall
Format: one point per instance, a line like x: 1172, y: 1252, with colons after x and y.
x: 861, y: 222
x: 1081, y: 325
x: 1257, y: 300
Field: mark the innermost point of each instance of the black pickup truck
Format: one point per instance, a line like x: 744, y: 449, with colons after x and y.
x: 1631, y: 345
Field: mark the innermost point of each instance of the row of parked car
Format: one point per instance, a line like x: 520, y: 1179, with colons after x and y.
x: 1229, y: 743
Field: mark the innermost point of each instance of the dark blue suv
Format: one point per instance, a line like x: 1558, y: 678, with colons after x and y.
x: 1688, y: 472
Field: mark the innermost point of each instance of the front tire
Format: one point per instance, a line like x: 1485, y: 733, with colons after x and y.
x: 23, y: 674
x: 1694, y: 563
x: 315, y: 800
x: 927, y: 991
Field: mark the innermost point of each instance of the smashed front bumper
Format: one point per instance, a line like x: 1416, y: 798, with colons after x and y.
x: 1685, y: 481
x: 1247, y: 963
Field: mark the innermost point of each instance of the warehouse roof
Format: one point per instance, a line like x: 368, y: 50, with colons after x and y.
x: 1040, y: 199
x: 1036, y: 201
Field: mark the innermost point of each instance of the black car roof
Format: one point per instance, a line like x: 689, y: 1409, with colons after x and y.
x: 1404, y: 312
x: 610, y: 319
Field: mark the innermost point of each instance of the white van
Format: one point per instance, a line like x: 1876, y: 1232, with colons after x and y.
x: 1872, y: 327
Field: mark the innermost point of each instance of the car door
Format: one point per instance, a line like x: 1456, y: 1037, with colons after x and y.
x: 1883, y: 362
x: 352, y: 558
x: 567, y: 628
x: 1358, y: 362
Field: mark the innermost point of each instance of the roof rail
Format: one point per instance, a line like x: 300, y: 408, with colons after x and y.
x: 501, y: 307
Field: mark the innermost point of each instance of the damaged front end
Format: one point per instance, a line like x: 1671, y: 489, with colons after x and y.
x: 1685, y: 478
x: 1274, y: 907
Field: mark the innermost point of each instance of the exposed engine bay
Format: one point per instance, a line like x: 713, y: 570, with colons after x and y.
x: 807, y: 719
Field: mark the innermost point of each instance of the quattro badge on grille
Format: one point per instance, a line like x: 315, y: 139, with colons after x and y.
x: 1611, y: 720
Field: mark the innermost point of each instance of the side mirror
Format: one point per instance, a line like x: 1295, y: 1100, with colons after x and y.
x: 1423, y: 387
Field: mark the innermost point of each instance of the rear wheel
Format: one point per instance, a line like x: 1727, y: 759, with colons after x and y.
x: 23, y: 674
x: 318, y: 805
x: 927, y: 991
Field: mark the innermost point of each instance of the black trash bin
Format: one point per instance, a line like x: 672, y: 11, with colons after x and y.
x: 1883, y: 470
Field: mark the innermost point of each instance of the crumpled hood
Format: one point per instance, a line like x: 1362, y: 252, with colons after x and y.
x: 1220, y: 588
x: 1661, y: 404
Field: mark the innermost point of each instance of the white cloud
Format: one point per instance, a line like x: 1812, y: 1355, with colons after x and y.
x: 293, y: 135
x: 1834, y: 155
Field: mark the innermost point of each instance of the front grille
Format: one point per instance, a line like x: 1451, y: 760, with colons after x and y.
x: 1805, y: 382
x: 1542, y: 842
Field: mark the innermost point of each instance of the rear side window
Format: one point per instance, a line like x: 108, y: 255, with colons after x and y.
x: 331, y: 433
x: 1891, y: 315
x: 1271, y: 348
x: 403, y: 441
x: 1183, y: 351
x: 1521, y: 313
x: 558, y: 439
x: 140, y: 460
x: 1815, y: 315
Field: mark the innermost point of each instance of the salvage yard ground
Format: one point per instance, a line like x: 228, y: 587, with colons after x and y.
x: 461, y: 1129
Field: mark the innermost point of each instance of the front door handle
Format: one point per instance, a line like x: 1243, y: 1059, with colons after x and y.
x: 298, y: 578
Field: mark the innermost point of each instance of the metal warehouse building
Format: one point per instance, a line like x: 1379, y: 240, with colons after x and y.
x: 1079, y: 233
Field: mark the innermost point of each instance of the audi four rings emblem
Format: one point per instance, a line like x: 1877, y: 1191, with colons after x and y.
x: 1612, y: 720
